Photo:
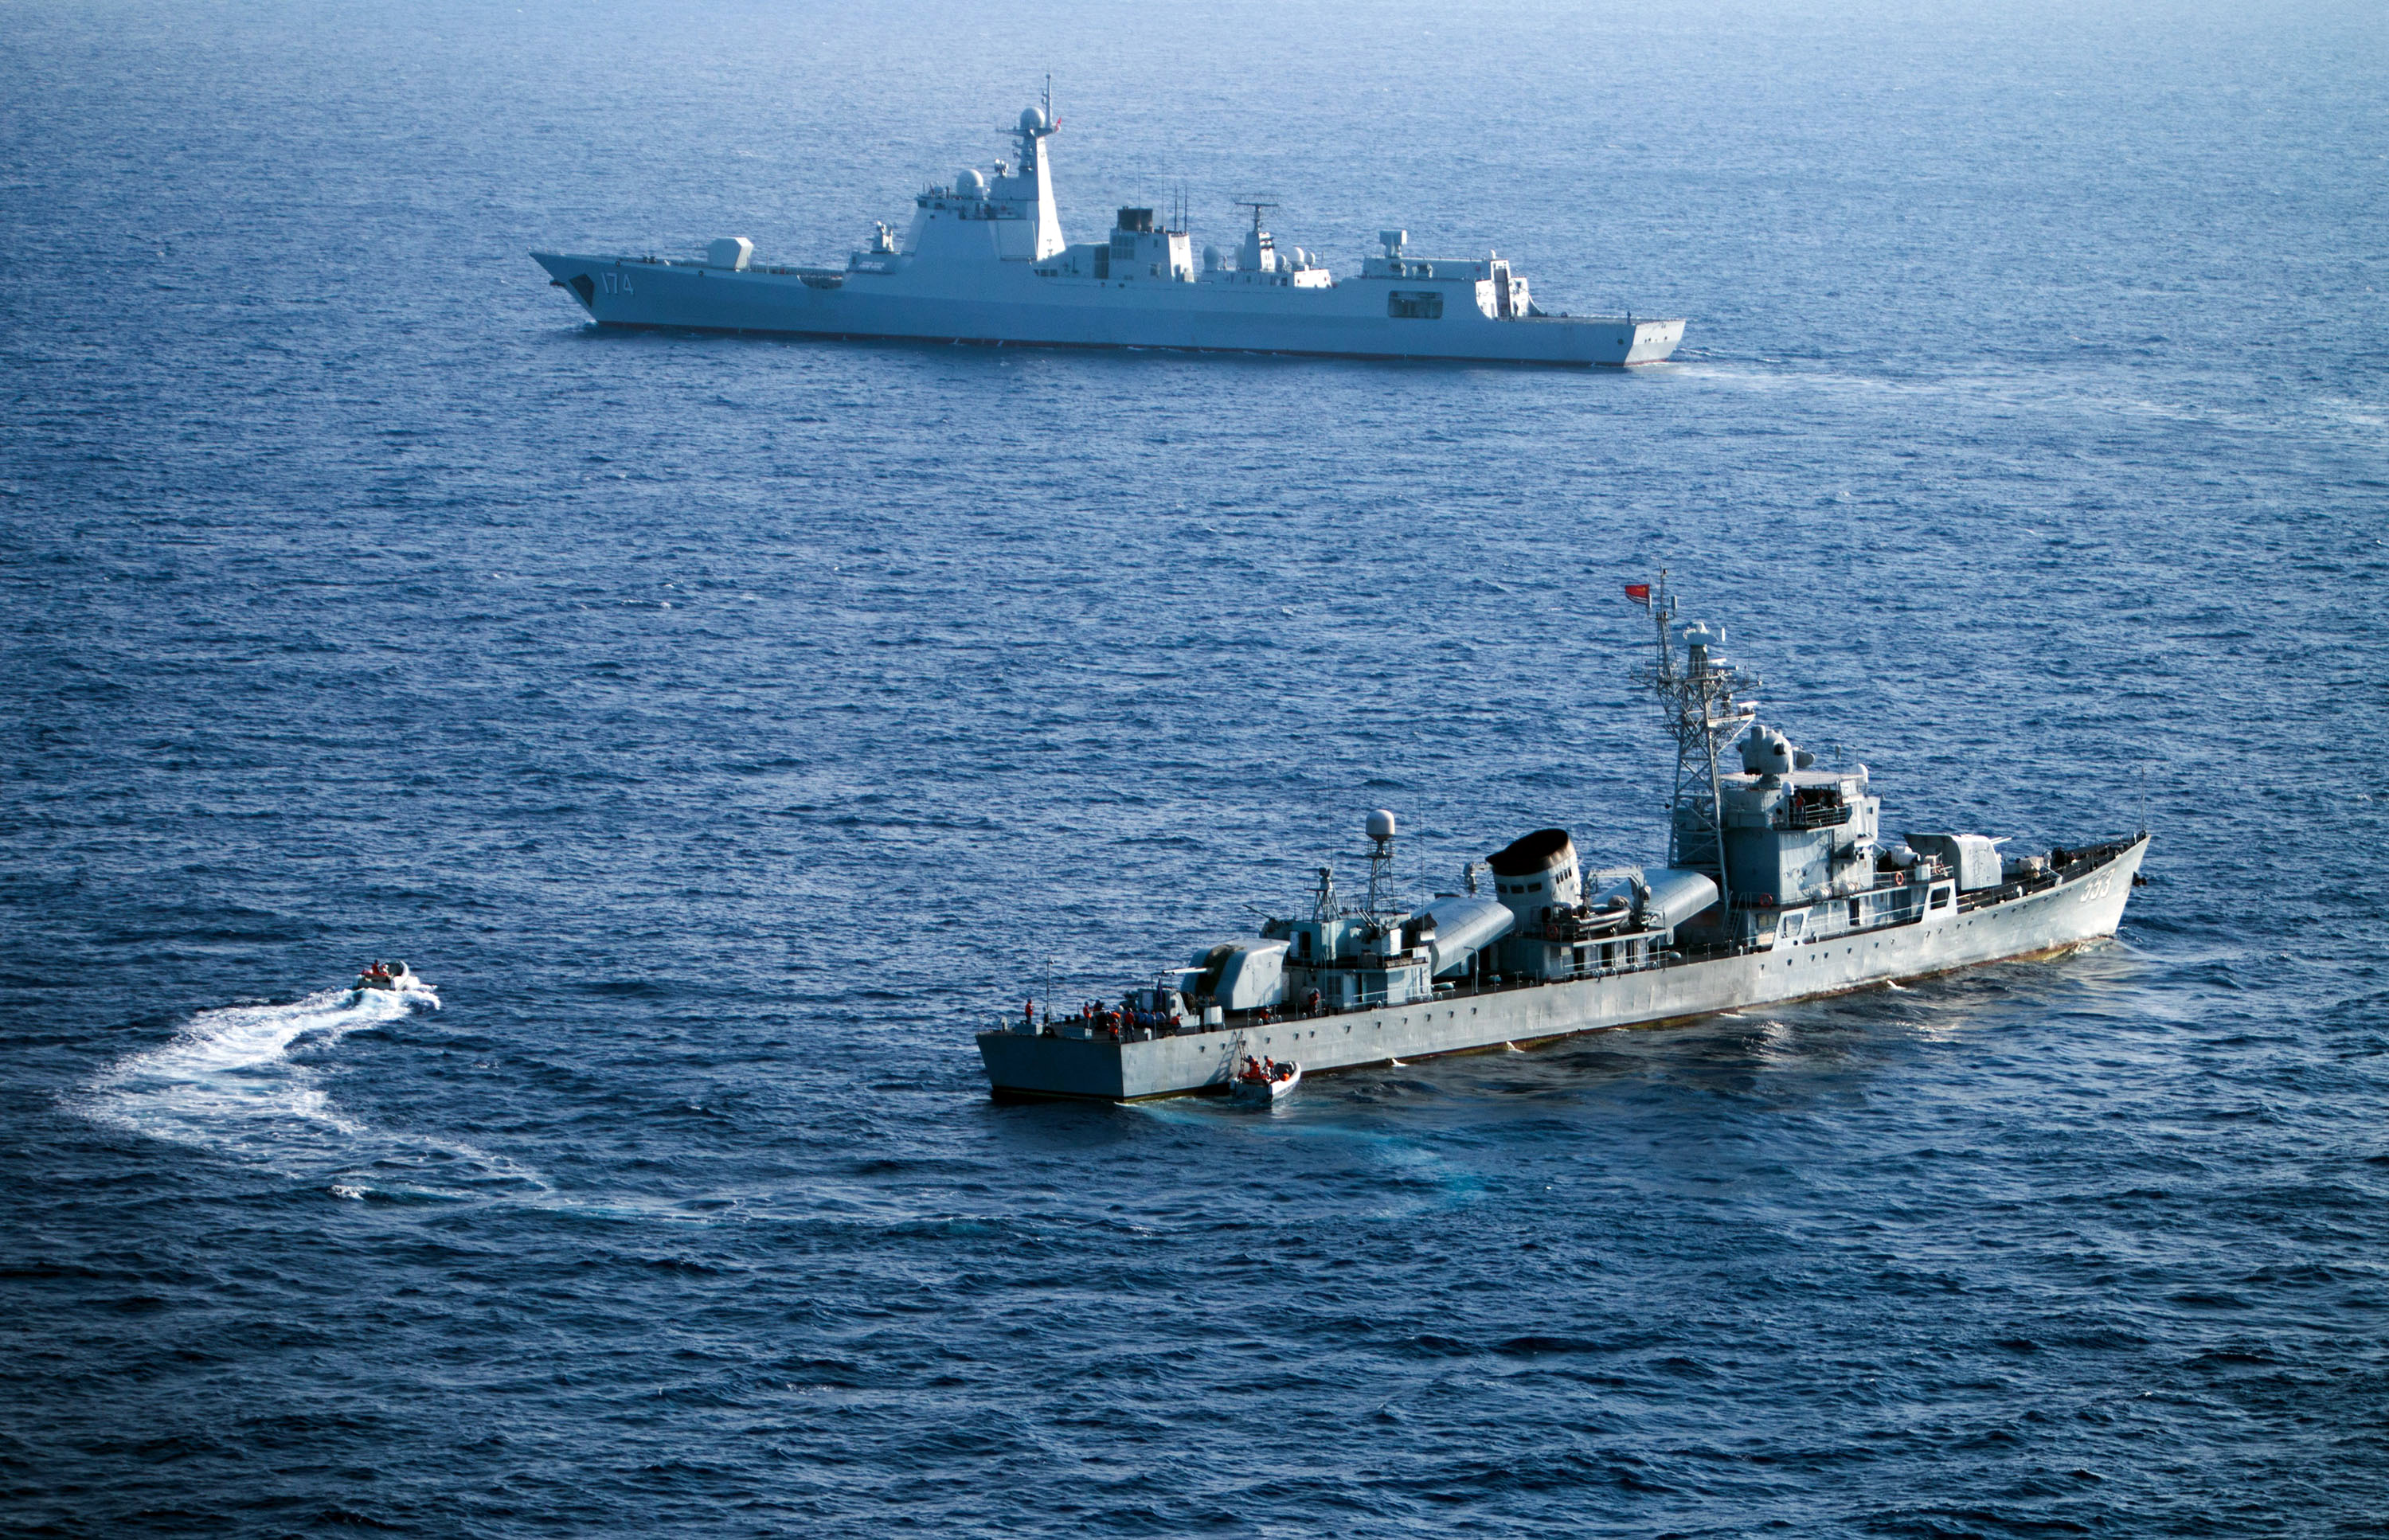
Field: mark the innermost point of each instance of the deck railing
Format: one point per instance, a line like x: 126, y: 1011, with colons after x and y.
x: 2084, y: 860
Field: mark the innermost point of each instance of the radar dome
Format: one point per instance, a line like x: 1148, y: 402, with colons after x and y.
x: 969, y: 184
x: 1380, y: 824
x: 1032, y: 119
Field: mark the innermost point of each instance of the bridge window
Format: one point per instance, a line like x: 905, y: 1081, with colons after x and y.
x: 1415, y: 305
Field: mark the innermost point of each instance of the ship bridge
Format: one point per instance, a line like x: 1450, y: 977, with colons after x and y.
x: 1010, y: 216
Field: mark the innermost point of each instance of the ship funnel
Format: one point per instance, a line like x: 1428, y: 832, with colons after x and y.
x: 1538, y: 872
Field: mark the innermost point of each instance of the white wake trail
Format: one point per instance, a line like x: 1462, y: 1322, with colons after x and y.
x: 227, y: 1082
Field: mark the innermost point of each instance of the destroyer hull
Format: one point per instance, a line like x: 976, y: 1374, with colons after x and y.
x: 1024, y: 310
x: 2084, y: 908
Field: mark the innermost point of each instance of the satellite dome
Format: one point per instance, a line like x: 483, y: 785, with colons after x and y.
x: 969, y: 184
x: 1032, y: 119
x: 1380, y: 824
x: 1212, y: 261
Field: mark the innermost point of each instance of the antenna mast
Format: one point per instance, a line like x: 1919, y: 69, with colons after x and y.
x: 1382, y: 899
x: 1697, y: 694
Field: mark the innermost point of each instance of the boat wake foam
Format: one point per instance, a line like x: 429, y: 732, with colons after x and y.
x: 236, y: 1082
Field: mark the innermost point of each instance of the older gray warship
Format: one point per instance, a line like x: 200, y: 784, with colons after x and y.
x: 984, y: 261
x: 1779, y: 887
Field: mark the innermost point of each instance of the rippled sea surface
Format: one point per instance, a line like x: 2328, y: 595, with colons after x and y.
x: 724, y: 728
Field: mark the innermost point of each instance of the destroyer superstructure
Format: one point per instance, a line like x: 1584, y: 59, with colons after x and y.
x: 1780, y: 885
x: 985, y: 261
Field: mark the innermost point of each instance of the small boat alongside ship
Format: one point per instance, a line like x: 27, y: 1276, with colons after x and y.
x: 1780, y: 885
x: 1265, y: 1081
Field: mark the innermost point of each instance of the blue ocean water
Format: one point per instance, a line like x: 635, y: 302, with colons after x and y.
x: 725, y: 726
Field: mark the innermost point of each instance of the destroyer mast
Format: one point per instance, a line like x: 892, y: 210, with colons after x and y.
x: 1697, y: 696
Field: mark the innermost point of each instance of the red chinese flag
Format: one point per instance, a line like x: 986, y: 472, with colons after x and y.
x: 1639, y: 593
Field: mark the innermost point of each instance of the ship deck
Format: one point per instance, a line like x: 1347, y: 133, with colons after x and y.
x: 1637, y: 996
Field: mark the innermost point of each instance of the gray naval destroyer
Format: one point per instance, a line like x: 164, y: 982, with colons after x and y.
x: 1779, y: 887
x: 985, y: 261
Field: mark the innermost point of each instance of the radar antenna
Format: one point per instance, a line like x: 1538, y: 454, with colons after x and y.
x: 1259, y: 254
x: 1381, y: 864
x: 1697, y: 687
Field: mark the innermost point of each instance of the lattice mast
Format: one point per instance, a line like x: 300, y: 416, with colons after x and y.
x: 1699, y: 693
x: 1383, y: 901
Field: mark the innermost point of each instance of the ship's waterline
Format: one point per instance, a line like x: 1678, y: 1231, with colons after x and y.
x: 1779, y: 887
x: 2083, y: 908
x: 985, y: 261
